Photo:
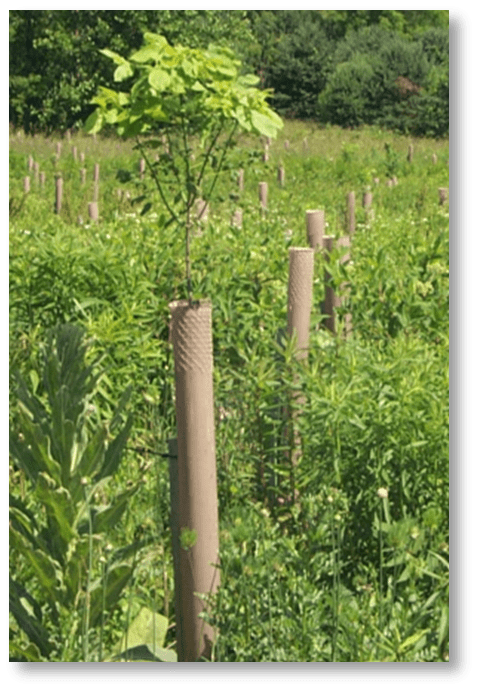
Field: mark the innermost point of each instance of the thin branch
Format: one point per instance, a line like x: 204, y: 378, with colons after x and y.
x: 207, y: 154
x: 224, y: 151
x: 143, y: 449
x: 156, y: 180
x: 190, y: 197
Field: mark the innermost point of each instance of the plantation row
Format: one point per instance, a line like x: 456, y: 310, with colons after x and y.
x: 356, y: 569
x: 202, y: 208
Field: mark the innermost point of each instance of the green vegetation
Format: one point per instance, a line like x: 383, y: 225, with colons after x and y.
x: 318, y: 62
x: 195, y: 97
x: 357, y: 568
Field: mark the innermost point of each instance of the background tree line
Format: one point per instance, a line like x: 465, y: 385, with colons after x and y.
x: 345, y: 67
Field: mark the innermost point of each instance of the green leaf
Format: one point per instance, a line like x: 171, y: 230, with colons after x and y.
x: 22, y: 520
x: 197, y: 86
x: 443, y: 627
x: 118, y: 59
x: 111, y: 116
x: 249, y: 79
x: 30, y: 625
x: 132, y: 128
x: 148, y: 653
x: 34, y: 454
x: 76, y: 565
x: 264, y: 124
x: 108, y: 591
x: 177, y: 85
x: 159, y: 79
x: 145, y: 54
x: 109, y: 517
x: 115, y: 450
x: 144, y: 639
x: 240, y: 114
x: 412, y: 640
x: 125, y: 397
x: 20, y: 651
x: 123, y: 72
x: 94, y: 122
x: 46, y: 569
x: 188, y: 538
x: 190, y: 68
x: 156, y: 39
x: 59, y: 507
x: 91, y: 460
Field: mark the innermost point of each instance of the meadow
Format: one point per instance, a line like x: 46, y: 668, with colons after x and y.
x: 356, y: 570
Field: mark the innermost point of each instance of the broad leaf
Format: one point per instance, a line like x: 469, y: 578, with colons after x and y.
x: 264, y: 124
x: 159, y: 79
x: 156, y: 39
x: 145, y: 54
x: 114, y: 451
x: 30, y: 624
x: 144, y: 639
x: 94, y: 122
x: 118, y: 59
x: 59, y: 507
x: 249, y: 79
x: 123, y: 72
x: 109, y: 517
x: 108, y: 592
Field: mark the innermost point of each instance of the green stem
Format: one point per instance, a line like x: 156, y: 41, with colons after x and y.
x: 86, y: 620
x: 380, y: 571
x: 334, y: 590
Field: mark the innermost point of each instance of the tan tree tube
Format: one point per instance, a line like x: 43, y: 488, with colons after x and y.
x: 191, y: 335
x: 26, y: 184
x: 93, y: 210
x: 236, y: 219
x: 263, y: 195
x: 315, y: 223
x: 367, y: 205
x: 410, y: 153
x: 299, y: 306
x: 442, y: 194
x: 240, y: 179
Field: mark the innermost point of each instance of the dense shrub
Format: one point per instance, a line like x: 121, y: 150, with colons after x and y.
x: 297, y: 73
x: 378, y: 77
x: 348, y: 99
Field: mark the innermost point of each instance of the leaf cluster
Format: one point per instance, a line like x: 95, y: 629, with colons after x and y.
x: 66, y: 462
x: 178, y: 82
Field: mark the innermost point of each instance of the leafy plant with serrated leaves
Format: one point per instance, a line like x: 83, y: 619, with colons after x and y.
x: 198, y: 100
x: 65, y: 461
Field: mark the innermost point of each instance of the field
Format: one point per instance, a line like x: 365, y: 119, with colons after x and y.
x: 355, y: 570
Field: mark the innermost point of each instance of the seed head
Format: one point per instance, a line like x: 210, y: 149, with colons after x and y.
x: 382, y: 492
